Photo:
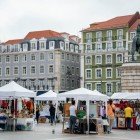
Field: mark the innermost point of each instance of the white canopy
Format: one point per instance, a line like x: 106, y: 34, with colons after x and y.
x: 14, y: 90
x: 50, y: 95
x: 84, y: 94
x: 125, y: 95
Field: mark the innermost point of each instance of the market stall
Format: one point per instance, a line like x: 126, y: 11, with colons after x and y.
x: 15, y: 113
x: 121, y: 100
x: 50, y: 96
x: 91, y: 98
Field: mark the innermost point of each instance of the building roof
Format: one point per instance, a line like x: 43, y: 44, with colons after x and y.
x: 134, y: 26
x: 14, y: 41
x: 41, y: 34
x: 121, y: 21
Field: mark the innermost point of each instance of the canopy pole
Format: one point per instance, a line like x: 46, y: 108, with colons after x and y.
x: 14, y: 123
x: 87, y: 102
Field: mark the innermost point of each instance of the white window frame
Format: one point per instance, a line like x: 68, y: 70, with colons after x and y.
x: 51, y: 56
x: 16, y: 70
x: 108, y: 47
x: 16, y: 58
x: 51, y: 45
x: 6, y: 71
x: 117, y: 73
x: 71, y: 47
x: 40, y: 69
x: 98, y: 46
x: 42, y: 47
x: 68, y: 57
x: 33, y: 57
x: 90, y: 73
x: 107, y: 89
x: 118, y: 46
x: 62, y: 45
x: 62, y: 56
x: 76, y: 48
x: 109, y: 35
x: 63, y: 69
x: 67, y: 46
x: 23, y: 71
x: 100, y: 86
x: 88, y: 47
x: 25, y: 47
x: 41, y: 56
x: 132, y: 35
x: 107, y: 59
x: 107, y: 74
x: 31, y: 69
x: 90, y: 85
x: 117, y: 58
x: 23, y: 58
x: 88, y: 61
x: 96, y: 76
x: 72, y: 57
x: 98, y: 36
x: 120, y: 36
x: 52, y: 69
x: 97, y: 59
x: 7, y: 58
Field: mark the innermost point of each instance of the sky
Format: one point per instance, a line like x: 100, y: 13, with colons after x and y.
x: 18, y: 17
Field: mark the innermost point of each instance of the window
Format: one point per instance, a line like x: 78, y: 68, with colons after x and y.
x: 109, y: 88
x: 118, y: 72
x: 98, y: 73
x: 108, y: 46
x: 24, y: 70
x: 62, y: 56
x: 109, y: 35
x: 15, y: 70
x: 88, y: 37
x: 98, y: 36
x: 88, y: 60
x: 77, y: 71
x: 68, y: 57
x: 32, y: 57
x: 42, y: 69
x: 71, y: 47
x: 24, y: 58
x: 7, y: 58
x: 118, y: 87
x: 88, y: 73
x: 33, y: 46
x: 98, y: 87
x: 119, y: 45
x: 109, y: 59
x: 120, y: 34
x: 0, y: 71
x: 16, y: 58
x: 62, y: 82
x: 17, y: 48
x: 51, y: 45
x: 76, y: 48
x: 0, y: 59
x: 89, y: 86
x: 99, y: 59
x: 63, y: 69
x: 62, y: 45
x: 109, y: 73
x: 33, y: 71
x: 132, y: 35
x: 98, y: 46
x: 25, y: 47
x: 51, y: 69
x: 51, y: 55
x: 42, y: 45
x: 7, y: 71
x: 119, y: 58
x: 72, y: 70
x: 88, y: 47
x: 72, y: 57
x: 78, y: 58
x: 42, y: 57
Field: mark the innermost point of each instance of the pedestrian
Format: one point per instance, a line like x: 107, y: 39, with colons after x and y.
x: 72, y: 117
x: 110, y: 114
x: 128, y: 115
x: 52, y: 113
x: 37, y: 114
x: 138, y: 120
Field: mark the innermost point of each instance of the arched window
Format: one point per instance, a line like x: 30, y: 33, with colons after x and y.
x: 119, y: 58
x: 88, y: 60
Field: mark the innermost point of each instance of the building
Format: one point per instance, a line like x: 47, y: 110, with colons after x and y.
x: 42, y: 60
x: 106, y: 45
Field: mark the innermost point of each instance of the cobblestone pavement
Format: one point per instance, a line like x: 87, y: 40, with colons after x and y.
x: 44, y: 132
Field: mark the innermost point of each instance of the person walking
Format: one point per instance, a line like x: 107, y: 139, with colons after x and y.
x: 128, y: 115
x: 110, y: 114
x: 138, y: 120
x: 37, y: 114
x: 72, y: 117
x: 52, y: 113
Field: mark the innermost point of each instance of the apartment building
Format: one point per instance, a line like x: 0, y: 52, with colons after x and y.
x: 106, y: 46
x: 42, y: 60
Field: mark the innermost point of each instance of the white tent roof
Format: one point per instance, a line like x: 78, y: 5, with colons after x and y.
x: 125, y: 95
x: 50, y: 95
x: 84, y: 94
x: 14, y: 90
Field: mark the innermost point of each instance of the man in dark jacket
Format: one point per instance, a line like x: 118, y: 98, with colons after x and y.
x: 52, y: 113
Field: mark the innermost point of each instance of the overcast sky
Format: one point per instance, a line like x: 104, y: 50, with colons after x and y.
x: 18, y: 17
